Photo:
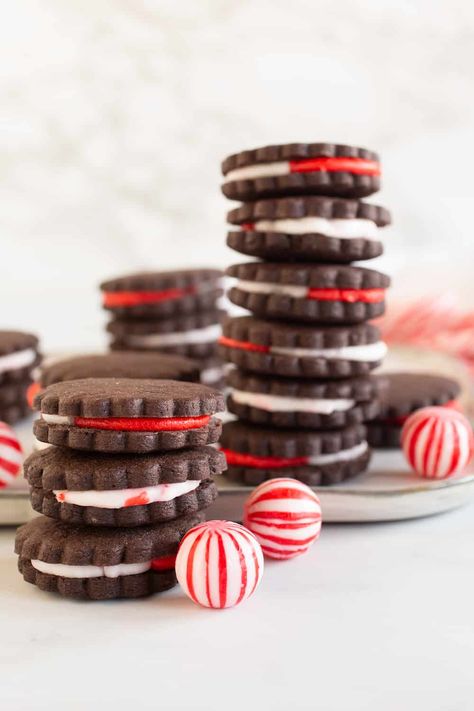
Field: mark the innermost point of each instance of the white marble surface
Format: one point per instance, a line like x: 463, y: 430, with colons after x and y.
x: 115, y: 115
x: 374, y: 617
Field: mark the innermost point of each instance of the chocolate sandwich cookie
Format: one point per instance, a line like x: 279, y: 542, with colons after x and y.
x: 321, y: 293
x: 18, y: 356
x: 255, y: 454
x: 94, y: 563
x: 122, y: 490
x: 162, y: 294
x: 194, y: 335
x: 308, y: 229
x: 301, y: 169
x: 127, y: 415
x: 308, y: 404
x: 301, y: 350
x: 403, y: 394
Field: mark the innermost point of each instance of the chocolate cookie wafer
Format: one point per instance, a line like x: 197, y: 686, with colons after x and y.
x: 162, y: 294
x: 194, y: 335
x: 301, y: 169
x: 320, y: 293
x: 403, y: 394
x: 255, y: 454
x: 127, y: 415
x: 308, y: 404
x: 308, y: 229
x: 93, y: 563
x: 300, y: 350
x: 122, y: 490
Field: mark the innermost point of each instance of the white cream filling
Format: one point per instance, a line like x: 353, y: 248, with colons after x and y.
x: 211, y: 375
x: 280, y: 403
x: 344, y: 455
x: 57, y: 419
x: 368, y: 352
x: 19, y: 359
x: 117, y: 499
x: 261, y: 287
x: 261, y: 170
x: 197, y: 335
x: 91, y: 571
x: 340, y: 228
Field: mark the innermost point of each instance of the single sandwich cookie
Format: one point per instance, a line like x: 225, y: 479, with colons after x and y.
x: 89, y: 562
x: 18, y: 356
x: 122, y: 490
x: 403, y: 394
x: 301, y: 350
x: 128, y: 415
x: 193, y: 335
x: 308, y: 229
x: 320, y: 293
x: 162, y: 294
x: 301, y: 169
x: 308, y: 404
x: 255, y: 454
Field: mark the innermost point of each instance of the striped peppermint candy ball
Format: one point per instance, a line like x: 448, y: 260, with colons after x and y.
x: 285, y: 516
x: 219, y: 564
x: 437, y: 442
x: 11, y: 455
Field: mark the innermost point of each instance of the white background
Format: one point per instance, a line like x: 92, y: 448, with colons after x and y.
x: 115, y: 116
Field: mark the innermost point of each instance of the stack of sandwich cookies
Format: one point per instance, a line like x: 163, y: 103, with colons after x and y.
x: 302, y: 385
x: 131, y: 463
x: 18, y: 358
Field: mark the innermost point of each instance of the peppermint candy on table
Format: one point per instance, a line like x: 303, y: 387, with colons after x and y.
x: 219, y: 564
x: 285, y: 516
x: 11, y: 455
x: 437, y: 442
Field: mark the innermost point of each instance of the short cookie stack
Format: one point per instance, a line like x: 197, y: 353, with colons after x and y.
x: 302, y: 387
x: 172, y: 312
x: 18, y: 357
x: 131, y: 471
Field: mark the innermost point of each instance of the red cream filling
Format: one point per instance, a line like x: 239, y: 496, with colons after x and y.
x: 167, y: 562
x: 32, y: 392
x: 143, y: 424
x: 360, y: 166
x: 137, y: 298
x: 238, y: 459
x: 400, y: 421
x: 243, y: 345
x: 367, y: 296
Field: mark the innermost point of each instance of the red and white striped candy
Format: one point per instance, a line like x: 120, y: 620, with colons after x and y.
x: 437, y: 442
x: 219, y: 564
x: 11, y: 455
x: 285, y: 516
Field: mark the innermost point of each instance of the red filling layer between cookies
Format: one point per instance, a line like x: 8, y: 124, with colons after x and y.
x: 137, y: 298
x: 142, y: 424
x: 360, y: 166
x: 165, y: 563
x: 243, y: 345
x: 237, y: 459
x: 366, y: 296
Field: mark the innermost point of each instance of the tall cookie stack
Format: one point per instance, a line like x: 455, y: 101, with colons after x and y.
x: 131, y: 471
x: 172, y: 312
x: 302, y: 386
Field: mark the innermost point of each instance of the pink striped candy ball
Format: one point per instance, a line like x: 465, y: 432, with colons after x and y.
x: 219, y: 564
x: 285, y: 516
x: 437, y: 442
x: 11, y: 455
